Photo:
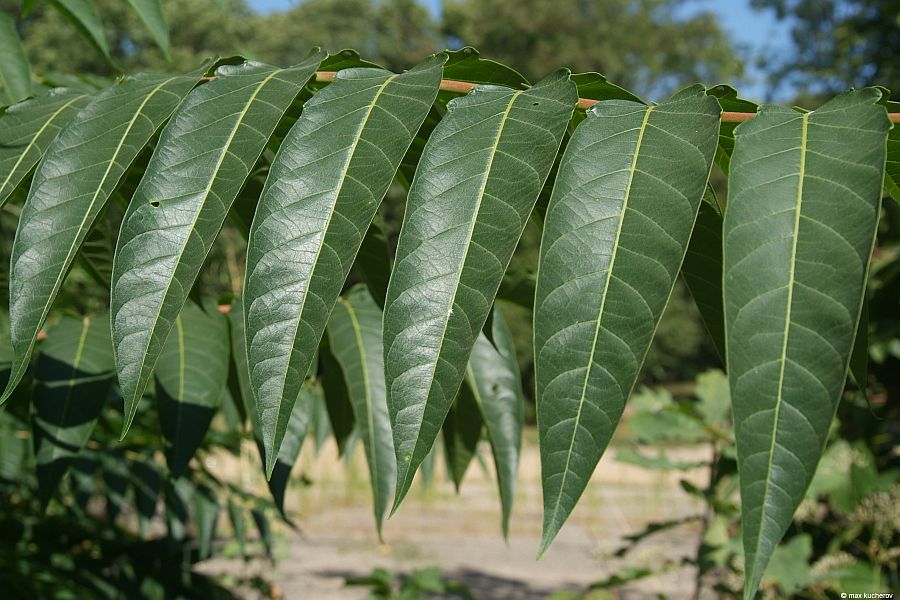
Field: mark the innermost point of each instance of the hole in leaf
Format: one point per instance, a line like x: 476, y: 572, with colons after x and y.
x: 535, y: 103
x: 154, y: 203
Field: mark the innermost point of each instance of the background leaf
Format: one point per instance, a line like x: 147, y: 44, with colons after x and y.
x: 354, y: 335
x: 191, y: 377
x: 151, y: 13
x: 15, y: 72
x: 493, y: 375
x: 73, y: 375
x: 83, y: 15
x: 27, y: 129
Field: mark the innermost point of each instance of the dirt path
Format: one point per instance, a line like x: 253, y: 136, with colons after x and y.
x: 461, y: 533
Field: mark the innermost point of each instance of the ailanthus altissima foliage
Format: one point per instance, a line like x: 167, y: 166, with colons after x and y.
x: 419, y: 348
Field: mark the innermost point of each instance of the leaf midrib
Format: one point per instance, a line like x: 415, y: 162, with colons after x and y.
x: 357, y: 333
x: 612, y: 263
x: 481, y: 193
x: 787, y: 328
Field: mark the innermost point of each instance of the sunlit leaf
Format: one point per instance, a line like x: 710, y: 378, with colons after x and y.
x: 476, y: 184
x: 616, y: 231
x: 804, y: 196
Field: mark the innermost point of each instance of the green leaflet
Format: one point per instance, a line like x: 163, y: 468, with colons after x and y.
x: 462, y: 432
x: 702, y: 268
x: 73, y: 375
x: 892, y: 165
x: 146, y: 482
x: 354, y: 336
x: 151, y: 13
x: 6, y: 351
x: 15, y: 73
x: 326, y: 182
x: 374, y: 261
x: 297, y: 429
x: 79, y: 172
x: 729, y: 100
x: 337, y: 401
x: 804, y: 196
x: 617, y: 228
x: 238, y: 524
x: 206, y: 515
x: 83, y: 15
x: 477, y: 182
x: 493, y: 375
x: 204, y: 156
x: 27, y: 129
x: 191, y: 377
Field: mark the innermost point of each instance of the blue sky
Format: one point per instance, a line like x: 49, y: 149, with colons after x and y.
x: 755, y: 32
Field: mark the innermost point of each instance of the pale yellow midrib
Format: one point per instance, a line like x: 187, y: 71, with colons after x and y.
x: 787, y: 321
x: 612, y: 261
x: 482, y: 188
x: 357, y: 333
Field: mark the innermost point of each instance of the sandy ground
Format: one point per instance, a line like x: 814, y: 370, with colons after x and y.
x: 461, y: 533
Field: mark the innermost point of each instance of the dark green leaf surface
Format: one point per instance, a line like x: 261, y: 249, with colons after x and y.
x: 729, y: 100
x: 466, y: 64
x: 70, y: 188
x: 73, y: 375
x: 203, y: 158
x: 83, y: 15
x: 493, y: 375
x: 206, y: 515
x: 27, y: 129
x: 294, y: 436
x: 892, y: 164
x: 461, y: 431
x: 617, y: 228
x: 15, y: 73
x: 702, y: 268
x: 374, y: 261
x: 477, y: 182
x: 326, y: 183
x: 337, y: 400
x: 804, y: 196
x: 238, y: 524
x: 151, y: 13
x: 354, y: 335
x: 6, y: 351
x: 191, y: 377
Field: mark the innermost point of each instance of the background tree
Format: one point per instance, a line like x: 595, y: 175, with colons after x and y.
x: 837, y: 43
x: 641, y: 44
